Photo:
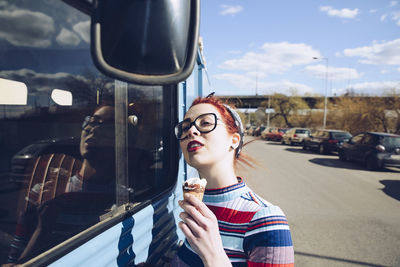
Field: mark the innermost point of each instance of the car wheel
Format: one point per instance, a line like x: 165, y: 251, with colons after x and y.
x: 342, y: 155
x: 282, y: 141
x: 371, y: 164
x: 290, y: 143
x: 305, y: 147
x: 322, y: 149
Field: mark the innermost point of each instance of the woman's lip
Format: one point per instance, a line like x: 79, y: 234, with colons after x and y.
x: 194, y: 146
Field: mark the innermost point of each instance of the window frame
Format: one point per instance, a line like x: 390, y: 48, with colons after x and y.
x: 126, y: 210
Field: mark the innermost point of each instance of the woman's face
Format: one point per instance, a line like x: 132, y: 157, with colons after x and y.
x: 98, y: 137
x: 204, y: 149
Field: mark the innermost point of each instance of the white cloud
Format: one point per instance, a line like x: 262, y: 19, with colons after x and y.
x: 383, y: 17
x: 340, y: 74
x: 373, y: 11
x: 273, y: 58
x: 42, y: 82
x: 398, y: 69
x: 83, y: 29
x: 256, y: 74
x: 393, y: 3
x: 67, y: 37
x: 371, y: 88
x: 386, y: 53
x: 396, y: 17
x: 342, y: 13
x: 36, y: 33
x: 230, y: 10
x: 384, y: 71
x: 247, y: 85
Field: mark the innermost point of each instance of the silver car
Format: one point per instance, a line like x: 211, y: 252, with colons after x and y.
x: 295, y: 136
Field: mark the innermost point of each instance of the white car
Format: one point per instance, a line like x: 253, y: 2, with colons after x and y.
x: 295, y: 136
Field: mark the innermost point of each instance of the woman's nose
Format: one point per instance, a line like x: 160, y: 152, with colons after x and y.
x: 193, y: 131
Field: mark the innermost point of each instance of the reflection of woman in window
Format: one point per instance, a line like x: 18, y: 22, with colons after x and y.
x: 86, y: 195
x: 233, y: 225
x: 97, y: 149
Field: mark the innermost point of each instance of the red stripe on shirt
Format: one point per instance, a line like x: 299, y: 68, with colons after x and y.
x: 261, y: 264
x: 231, y: 215
x: 267, y: 223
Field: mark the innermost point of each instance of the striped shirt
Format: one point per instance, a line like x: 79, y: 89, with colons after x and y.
x: 254, y: 232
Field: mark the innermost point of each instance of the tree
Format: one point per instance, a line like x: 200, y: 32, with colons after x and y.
x: 288, y: 108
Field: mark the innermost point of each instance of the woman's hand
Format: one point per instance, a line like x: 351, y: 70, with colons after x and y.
x: 200, y: 227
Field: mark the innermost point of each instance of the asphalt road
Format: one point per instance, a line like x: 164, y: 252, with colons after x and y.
x: 340, y: 214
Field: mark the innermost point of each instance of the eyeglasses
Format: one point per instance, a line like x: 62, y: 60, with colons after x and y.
x: 204, y: 123
x: 93, y: 121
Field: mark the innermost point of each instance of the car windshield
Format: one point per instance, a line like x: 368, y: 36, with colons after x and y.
x: 390, y: 141
x: 341, y: 135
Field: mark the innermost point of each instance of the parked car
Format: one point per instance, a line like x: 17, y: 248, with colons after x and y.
x: 295, y: 136
x: 267, y: 131
x: 258, y: 130
x: 275, y: 134
x: 374, y: 150
x: 251, y: 130
x: 326, y: 141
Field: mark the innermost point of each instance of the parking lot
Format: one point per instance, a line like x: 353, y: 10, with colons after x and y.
x: 340, y: 213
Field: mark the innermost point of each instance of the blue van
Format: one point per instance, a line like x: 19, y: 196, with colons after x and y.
x: 90, y: 91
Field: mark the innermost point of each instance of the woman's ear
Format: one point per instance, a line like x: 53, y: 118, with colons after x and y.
x: 235, y: 140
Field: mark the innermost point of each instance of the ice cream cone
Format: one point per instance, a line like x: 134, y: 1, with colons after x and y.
x: 195, y: 186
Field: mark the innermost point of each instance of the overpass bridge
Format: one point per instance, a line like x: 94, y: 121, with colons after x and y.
x: 254, y: 101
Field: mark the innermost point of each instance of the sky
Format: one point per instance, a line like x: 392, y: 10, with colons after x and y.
x: 308, y: 47
x: 303, y: 47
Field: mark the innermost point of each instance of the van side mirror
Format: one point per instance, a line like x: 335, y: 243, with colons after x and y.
x: 145, y: 42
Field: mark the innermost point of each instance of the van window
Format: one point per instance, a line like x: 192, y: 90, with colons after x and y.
x: 58, y: 154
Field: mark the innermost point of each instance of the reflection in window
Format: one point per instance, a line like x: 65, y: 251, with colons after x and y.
x: 57, y: 156
x: 62, y: 97
x: 12, y: 92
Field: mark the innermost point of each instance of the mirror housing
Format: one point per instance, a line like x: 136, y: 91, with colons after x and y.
x: 151, y: 42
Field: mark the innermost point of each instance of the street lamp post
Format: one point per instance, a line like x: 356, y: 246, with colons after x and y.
x: 269, y: 109
x: 326, y: 89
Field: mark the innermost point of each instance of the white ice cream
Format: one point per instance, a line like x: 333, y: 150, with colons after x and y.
x: 196, y: 180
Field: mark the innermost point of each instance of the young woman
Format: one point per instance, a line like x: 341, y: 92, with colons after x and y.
x: 232, y: 226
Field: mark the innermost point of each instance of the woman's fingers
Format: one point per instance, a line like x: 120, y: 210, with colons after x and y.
x: 186, y: 231
x: 199, y: 205
x: 192, y: 224
x: 194, y: 213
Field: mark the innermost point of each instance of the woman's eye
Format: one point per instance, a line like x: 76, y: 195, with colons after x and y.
x: 205, y: 123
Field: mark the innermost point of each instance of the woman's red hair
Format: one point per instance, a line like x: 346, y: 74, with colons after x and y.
x: 230, y: 125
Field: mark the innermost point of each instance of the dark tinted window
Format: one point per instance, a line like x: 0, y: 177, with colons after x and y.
x: 325, y: 134
x: 369, y: 139
x: 357, y: 139
x: 302, y: 131
x: 389, y: 142
x: 341, y: 135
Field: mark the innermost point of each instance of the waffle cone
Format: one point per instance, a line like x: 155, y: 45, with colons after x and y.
x: 197, y: 194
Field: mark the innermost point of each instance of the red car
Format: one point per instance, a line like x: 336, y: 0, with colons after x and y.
x: 275, y: 135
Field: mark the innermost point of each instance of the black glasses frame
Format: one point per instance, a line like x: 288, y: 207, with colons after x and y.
x: 178, y: 127
x: 92, y: 121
